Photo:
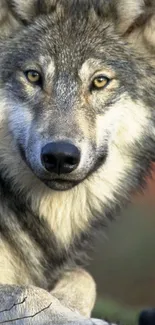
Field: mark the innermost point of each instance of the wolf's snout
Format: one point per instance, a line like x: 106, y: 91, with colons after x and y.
x: 60, y: 157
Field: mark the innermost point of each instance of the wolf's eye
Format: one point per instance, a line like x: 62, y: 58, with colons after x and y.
x: 99, y: 82
x: 33, y: 77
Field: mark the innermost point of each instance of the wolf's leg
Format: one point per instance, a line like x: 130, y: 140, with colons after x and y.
x: 77, y: 291
x: 34, y: 306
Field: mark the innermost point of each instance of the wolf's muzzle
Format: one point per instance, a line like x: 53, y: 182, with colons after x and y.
x: 60, y: 157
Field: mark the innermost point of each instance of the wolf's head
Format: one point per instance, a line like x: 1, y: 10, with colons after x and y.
x: 74, y: 98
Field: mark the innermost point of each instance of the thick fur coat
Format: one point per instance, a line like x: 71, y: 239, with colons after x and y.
x: 47, y: 221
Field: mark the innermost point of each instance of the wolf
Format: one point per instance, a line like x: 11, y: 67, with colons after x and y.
x: 76, y: 142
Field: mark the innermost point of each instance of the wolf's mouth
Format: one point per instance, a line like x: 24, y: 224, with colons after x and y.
x: 64, y: 184
x: 61, y: 184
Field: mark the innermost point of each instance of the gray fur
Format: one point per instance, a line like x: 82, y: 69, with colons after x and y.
x: 46, y: 226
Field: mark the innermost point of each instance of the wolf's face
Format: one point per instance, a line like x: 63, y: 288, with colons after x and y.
x: 72, y: 97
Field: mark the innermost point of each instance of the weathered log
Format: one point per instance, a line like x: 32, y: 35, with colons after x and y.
x: 35, y: 306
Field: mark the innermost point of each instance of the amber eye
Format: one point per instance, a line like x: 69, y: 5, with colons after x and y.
x: 99, y: 82
x: 33, y: 77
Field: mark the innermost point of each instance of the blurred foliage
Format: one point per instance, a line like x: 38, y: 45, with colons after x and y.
x: 123, y: 265
x: 112, y: 312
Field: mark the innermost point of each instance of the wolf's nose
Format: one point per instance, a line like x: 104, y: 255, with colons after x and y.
x: 60, y: 157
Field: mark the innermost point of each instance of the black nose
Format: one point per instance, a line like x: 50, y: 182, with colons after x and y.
x: 60, y: 157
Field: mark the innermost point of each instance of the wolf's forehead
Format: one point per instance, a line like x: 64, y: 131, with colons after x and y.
x: 72, y: 50
x: 69, y: 48
x: 69, y: 65
x: 68, y: 42
x: 72, y: 56
x: 68, y: 56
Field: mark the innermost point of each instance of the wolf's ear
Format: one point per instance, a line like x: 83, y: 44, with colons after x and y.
x: 136, y: 22
x: 26, y: 10
x: 8, y: 22
x: 16, y: 13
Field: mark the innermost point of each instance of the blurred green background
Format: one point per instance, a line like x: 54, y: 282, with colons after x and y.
x: 123, y: 265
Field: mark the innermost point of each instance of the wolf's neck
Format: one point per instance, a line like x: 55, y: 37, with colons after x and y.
x: 44, y: 230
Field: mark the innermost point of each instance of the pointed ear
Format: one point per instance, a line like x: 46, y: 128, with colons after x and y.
x: 16, y: 13
x: 136, y: 22
x: 27, y: 10
x: 8, y: 22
